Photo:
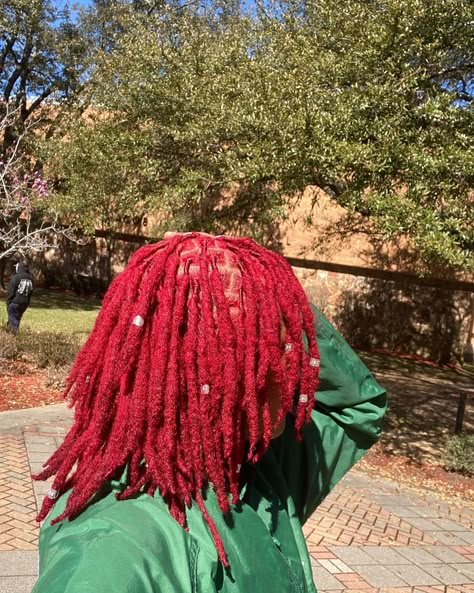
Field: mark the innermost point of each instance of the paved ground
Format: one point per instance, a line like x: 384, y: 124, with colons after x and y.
x: 369, y: 536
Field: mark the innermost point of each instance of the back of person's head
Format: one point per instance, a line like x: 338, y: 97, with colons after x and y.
x: 21, y: 268
x: 179, y: 375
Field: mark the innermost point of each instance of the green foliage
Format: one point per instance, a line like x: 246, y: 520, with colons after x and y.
x: 218, y: 120
x: 44, y: 349
x: 43, y: 55
x: 160, y: 137
x: 49, y: 349
x: 8, y: 345
x: 459, y: 455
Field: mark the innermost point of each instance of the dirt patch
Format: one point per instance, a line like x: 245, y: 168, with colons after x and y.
x: 421, y: 476
x: 423, y: 402
x: 23, y: 386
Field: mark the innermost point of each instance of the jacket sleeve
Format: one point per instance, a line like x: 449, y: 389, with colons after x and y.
x: 11, y: 289
x: 346, y: 422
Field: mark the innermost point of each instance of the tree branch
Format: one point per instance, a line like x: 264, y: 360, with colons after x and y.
x: 22, y: 65
x: 6, y: 50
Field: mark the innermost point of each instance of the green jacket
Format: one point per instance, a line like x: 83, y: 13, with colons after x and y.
x: 135, y: 546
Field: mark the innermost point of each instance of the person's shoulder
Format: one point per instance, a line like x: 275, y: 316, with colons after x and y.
x: 134, y: 516
x: 129, y: 523
x: 117, y: 545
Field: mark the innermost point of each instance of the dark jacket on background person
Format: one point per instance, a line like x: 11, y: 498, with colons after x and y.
x: 20, y: 287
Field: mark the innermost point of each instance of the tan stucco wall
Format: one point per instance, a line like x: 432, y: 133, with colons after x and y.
x: 332, y: 237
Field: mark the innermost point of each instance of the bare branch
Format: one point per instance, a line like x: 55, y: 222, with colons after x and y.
x: 28, y: 223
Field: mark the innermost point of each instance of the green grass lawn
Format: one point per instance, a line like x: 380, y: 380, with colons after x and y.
x: 59, y: 312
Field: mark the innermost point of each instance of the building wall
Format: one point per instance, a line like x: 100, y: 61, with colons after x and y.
x: 397, y: 316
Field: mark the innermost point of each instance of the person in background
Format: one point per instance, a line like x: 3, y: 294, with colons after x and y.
x: 19, y: 291
x: 215, y: 408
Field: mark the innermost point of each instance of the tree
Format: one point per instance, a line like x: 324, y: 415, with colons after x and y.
x: 158, y: 138
x: 378, y: 103
x: 42, y: 59
x: 218, y: 120
x: 27, y: 222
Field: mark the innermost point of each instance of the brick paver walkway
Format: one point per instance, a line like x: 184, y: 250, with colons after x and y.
x: 374, y: 536
x: 369, y: 535
x: 347, y: 517
x: 18, y: 529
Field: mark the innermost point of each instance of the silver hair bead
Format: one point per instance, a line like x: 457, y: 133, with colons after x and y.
x: 303, y: 398
x: 138, y: 321
x: 239, y: 467
x: 53, y: 494
x: 314, y: 362
x: 288, y: 347
x: 205, y: 388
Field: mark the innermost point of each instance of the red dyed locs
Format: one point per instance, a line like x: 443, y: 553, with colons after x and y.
x: 170, y: 381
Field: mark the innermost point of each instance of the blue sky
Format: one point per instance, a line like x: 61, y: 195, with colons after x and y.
x: 71, y: 3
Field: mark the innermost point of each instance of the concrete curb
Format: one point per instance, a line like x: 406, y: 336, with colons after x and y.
x: 13, y: 421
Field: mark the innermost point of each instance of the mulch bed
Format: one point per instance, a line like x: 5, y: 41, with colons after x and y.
x: 24, y: 386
